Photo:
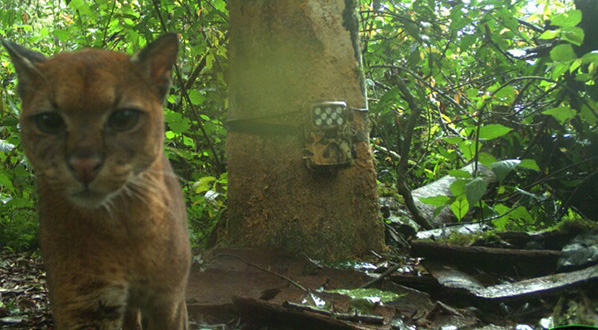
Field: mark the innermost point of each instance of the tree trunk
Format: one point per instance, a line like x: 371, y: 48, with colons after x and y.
x: 284, y: 56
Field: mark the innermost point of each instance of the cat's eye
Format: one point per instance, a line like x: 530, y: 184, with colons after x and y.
x: 123, y: 119
x: 49, y: 123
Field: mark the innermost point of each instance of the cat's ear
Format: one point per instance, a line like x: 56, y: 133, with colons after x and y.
x: 25, y: 62
x: 157, y: 60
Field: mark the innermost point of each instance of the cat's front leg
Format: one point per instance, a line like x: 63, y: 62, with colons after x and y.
x: 89, y: 306
x: 168, y: 314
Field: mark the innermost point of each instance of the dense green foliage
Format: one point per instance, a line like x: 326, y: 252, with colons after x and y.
x: 531, y: 115
x: 486, y: 80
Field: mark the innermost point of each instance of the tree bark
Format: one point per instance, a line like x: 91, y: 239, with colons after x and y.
x: 284, y: 56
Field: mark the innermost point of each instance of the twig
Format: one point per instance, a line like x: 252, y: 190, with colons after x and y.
x: 567, y: 202
x: 404, y: 153
x: 299, y: 286
x: 423, y: 80
x: 530, y: 25
x: 381, y: 277
x: 185, y: 95
x: 108, y: 24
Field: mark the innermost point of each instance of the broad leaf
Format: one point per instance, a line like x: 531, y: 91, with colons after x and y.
x: 486, y: 158
x: 435, y: 200
x: 460, y: 207
x: 503, y: 168
x: 204, y: 184
x: 574, y: 35
x: 467, y: 148
x: 475, y: 189
x: 492, y: 131
x: 5, y: 182
x: 591, y: 57
x: 457, y: 188
x: 176, y: 122
x: 460, y: 174
x: 196, y: 97
x: 562, y: 53
x: 529, y: 164
x: 550, y: 34
x: 505, y: 95
x: 562, y: 114
x: 567, y: 19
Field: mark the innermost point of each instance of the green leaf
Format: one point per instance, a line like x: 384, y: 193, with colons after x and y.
x: 559, y: 68
x: 550, y: 34
x: 521, y: 213
x: 460, y: 174
x: 503, y: 168
x: 181, y: 126
x: 370, y: 294
x: 62, y: 35
x: 9, y: 121
x: 567, y: 19
x: 501, y: 223
x: 176, y: 122
x: 529, y: 164
x: 506, y: 95
x: 562, y: 114
x: 20, y: 172
x: 5, y: 182
x: 492, y: 131
x: 196, y: 97
x: 562, y: 53
x: 435, y: 200
x: 475, y: 189
x: 467, y: 148
x: 588, y: 115
x: 460, y: 207
x: 486, y: 158
x: 203, y: 184
x: 473, y: 93
x: 584, y: 77
x: 457, y: 188
x: 575, y: 65
x: 574, y: 35
x: 504, y: 216
x: 19, y: 203
x: 591, y: 57
x: 220, y: 5
x: 81, y: 6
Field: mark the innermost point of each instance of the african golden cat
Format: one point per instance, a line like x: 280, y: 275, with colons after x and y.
x: 113, y: 227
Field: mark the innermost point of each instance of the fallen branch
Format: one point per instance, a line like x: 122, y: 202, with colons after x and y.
x: 352, y: 317
x: 531, y: 262
x: 268, y: 314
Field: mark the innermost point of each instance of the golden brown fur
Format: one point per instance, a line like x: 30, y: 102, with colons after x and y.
x: 112, y: 218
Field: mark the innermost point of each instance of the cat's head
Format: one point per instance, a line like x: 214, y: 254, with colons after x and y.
x: 92, y: 120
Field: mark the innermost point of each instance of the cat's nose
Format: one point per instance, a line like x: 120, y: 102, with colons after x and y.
x: 85, y: 167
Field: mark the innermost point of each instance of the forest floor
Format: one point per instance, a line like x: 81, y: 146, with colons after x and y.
x: 247, y: 289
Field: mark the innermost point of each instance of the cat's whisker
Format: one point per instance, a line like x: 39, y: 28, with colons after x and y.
x: 139, y: 192
x: 163, y: 173
x: 145, y: 186
x: 108, y: 206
